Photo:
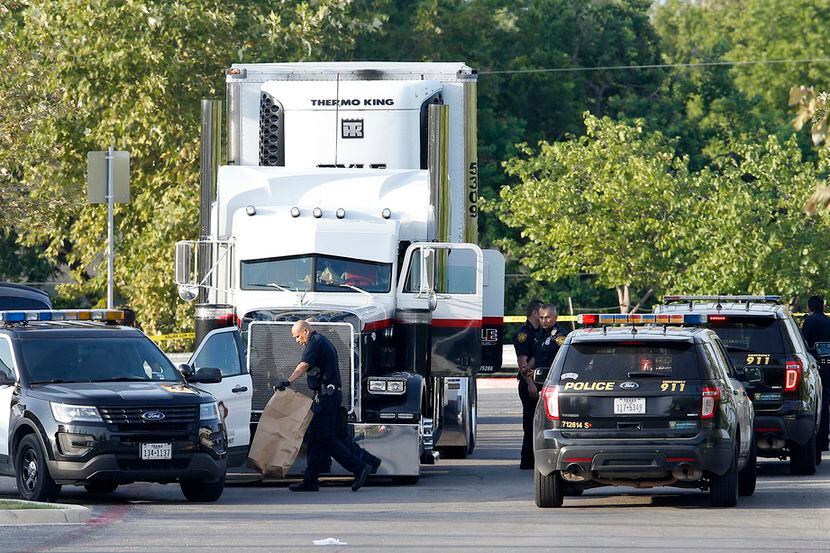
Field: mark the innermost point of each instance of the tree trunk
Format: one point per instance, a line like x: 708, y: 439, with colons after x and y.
x: 624, y: 297
x: 643, y: 299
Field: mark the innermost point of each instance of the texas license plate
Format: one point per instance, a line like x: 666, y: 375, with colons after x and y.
x: 629, y: 405
x: 153, y: 452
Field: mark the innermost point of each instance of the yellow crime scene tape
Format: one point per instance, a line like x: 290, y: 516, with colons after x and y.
x: 170, y: 337
x: 522, y: 318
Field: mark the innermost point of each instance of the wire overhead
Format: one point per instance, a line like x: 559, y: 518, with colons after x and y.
x: 651, y: 66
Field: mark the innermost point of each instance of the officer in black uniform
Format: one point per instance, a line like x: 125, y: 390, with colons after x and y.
x: 528, y: 394
x: 549, y: 338
x: 319, y: 364
x: 816, y: 328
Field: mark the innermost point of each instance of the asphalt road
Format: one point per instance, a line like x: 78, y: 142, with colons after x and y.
x: 480, y: 504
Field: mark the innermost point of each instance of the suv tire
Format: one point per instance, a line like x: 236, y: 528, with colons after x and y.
x: 550, y: 489
x: 723, y: 490
x: 100, y: 488
x: 203, y: 492
x: 34, y: 483
x: 749, y: 474
x: 803, y: 457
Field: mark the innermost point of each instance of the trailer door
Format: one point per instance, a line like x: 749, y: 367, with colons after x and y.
x: 446, y: 282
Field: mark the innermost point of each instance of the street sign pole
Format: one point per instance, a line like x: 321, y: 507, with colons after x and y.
x: 110, y: 223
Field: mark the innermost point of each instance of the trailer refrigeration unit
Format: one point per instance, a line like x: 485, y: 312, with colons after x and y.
x: 350, y: 198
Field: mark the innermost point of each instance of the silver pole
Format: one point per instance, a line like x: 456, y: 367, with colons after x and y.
x: 110, y: 225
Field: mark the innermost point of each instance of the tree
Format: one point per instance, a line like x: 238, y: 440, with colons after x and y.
x: 131, y: 74
x: 612, y: 203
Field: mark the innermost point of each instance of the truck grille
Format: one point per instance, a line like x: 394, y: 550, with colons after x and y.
x: 131, y: 418
x: 273, y: 355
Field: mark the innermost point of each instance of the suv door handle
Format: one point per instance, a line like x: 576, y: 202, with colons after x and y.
x: 240, y: 389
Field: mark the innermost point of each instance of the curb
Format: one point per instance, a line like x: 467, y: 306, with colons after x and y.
x: 64, y: 514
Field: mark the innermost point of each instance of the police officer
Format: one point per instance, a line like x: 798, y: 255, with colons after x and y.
x: 528, y: 394
x: 549, y: 338
x: 319, y: 364
x: 816, y: 328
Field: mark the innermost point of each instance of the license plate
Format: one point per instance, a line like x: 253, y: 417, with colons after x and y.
x: 152, y: 452
x: 629, y: 405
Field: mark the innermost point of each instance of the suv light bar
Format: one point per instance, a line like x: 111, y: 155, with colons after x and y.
x: 686, y: 319
x: 764, y: 299
x: 62, y: 315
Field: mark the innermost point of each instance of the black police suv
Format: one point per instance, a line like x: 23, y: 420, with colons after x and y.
x: 643, y: 406
x: 772, y: 361
x: 18, y: 296
x: 84, y: 401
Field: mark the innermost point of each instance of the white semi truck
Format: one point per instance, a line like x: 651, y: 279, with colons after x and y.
x: 350, y: 198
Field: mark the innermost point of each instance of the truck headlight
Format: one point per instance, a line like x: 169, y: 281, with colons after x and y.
x: 387, y: 386
x: 209, y: 411
x: 74, y: 413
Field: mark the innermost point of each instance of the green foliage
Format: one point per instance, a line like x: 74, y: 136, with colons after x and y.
x: 131, y: 74
x: 611, y: 203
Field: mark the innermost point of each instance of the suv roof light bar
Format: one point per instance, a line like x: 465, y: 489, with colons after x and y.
x: 16, y: 316
x: 735, y: 298
x: 603, y: 319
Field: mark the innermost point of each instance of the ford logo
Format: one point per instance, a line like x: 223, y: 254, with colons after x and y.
x: 629, y: 386
x: 152, y: 416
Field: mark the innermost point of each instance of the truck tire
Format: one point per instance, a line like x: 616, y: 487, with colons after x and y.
x: 454, y: 452
x: 749, y: 474
x: 803, y: 457
x: 550, y: 489
x: 723, y: 490
x: 203, y: 492
x: 100, y: 488
x: 34, y: 483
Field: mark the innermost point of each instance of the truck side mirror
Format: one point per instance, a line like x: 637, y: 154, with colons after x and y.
x: 427, y: 270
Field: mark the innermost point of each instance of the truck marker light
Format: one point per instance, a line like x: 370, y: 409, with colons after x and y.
x: 317, y: 212
x: 340, y: 213
x: 250, y: 210
x: 295, y: 211
x: 793, y: 370
x: 386, y: 213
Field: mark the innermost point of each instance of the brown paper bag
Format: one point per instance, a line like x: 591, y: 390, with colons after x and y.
x: 280, y: 433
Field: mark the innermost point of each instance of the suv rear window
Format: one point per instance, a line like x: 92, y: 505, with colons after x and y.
x: 749, y: 333
x: 591, y: 361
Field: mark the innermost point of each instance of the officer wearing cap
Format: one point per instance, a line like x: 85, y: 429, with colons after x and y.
x: 319, y: 364
x: 528, y: 394
x: 550, y: 337
x: 816, y: 328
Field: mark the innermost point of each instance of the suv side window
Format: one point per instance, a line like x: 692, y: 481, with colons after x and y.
x: 716, y: 363
x: 727, y: 361
x: 794, y: 335
x: 6, y: 359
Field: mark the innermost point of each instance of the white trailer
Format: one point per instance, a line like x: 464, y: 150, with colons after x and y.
x: 350, y: 197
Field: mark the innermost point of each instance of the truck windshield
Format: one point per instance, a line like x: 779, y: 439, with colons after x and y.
x: 330, y: 274
x: 111, y: 359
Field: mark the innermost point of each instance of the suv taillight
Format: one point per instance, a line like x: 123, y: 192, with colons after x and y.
x: 550, y: 395
x: 792, y: 372
x: 709, y: 402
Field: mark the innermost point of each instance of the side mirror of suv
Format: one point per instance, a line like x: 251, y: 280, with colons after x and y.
x: 207, y: 375
x: 753, y: 375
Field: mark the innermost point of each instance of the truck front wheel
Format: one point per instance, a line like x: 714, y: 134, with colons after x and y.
x: 34, y: 483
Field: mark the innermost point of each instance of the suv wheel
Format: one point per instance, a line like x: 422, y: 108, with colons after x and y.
x: 803, y: 457
x: 34, y: 483
x: 101, y: 488
x: 203, y: 492
x: 749, y: 474
x: 550, y: 489
x: 723, y: 490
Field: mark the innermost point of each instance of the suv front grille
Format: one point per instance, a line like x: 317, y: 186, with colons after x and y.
x: 132, y: 419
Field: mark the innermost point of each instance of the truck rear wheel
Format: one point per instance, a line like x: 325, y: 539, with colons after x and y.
x: 34, y: 483
x: 550, y: 489
x: 203, y: 492
x: 803, y: 457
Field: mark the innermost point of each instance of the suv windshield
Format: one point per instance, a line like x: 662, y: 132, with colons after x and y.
x: 98, y: 359
x: 589, y: 361
x: 330, y: 274
x: 748, y: 333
